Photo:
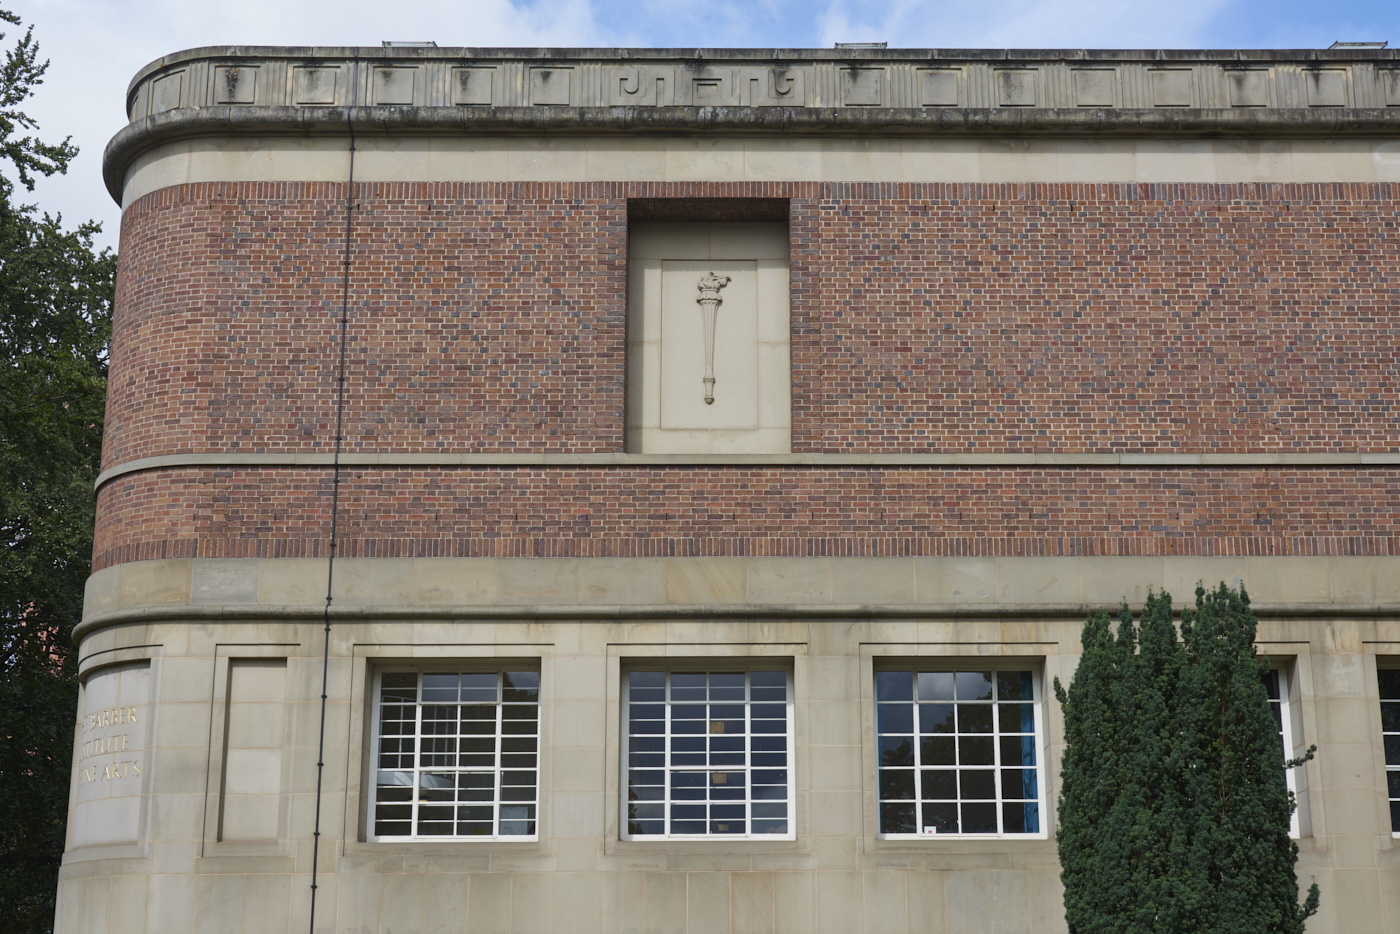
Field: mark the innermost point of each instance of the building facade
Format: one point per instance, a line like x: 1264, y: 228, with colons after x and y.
x: 733, y: 444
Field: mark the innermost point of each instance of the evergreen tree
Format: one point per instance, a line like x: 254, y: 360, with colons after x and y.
x: 55, y: 319
x: 1174, y: 808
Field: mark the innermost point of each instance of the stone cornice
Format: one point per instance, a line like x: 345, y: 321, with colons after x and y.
x: 387, y: 460
x: 233, y: 91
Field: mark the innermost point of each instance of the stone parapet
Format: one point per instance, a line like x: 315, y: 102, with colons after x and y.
x: 223, y: 91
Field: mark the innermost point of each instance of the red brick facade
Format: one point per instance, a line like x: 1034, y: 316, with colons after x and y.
x: 925, y: 318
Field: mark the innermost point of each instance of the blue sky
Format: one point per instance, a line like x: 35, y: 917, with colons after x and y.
x: 96, y: 45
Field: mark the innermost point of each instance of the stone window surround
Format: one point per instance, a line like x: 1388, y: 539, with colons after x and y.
x: 497, y: 802
x: 672, y: 666
x: 993, y: 664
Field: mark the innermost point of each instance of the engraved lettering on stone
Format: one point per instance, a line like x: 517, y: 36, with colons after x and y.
x: 709, y: 302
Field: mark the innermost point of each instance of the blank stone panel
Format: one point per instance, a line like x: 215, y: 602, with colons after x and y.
x: 250, y: 807
x: 1171, y: 87
x: 550, y: 85
x: 112, y: 760
x: 863, y: 87
x: 938, y: 87
x: 313, y: 85
x: 1094, y: 87
x: 394, y: 85
x: 1391, y: 80
x: 235, y: 84
x: 1248, y: 88
x: 473, y: 85
x: 1326, y: 88
x: 1015, y: 88
x: 166, y: 92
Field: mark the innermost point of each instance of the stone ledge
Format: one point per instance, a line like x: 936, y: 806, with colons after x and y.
x: 730, y: 588
x: 532, y: 459
x: 225, y: 120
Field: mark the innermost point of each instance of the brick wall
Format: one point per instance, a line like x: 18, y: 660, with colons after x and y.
x: 989, y: 318
x: 662, y: 511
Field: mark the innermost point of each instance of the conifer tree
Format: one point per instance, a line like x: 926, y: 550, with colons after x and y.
x: 1174, y: 808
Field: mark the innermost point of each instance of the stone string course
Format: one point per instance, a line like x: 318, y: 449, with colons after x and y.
x: 981, y: 318
x: 629, y: 512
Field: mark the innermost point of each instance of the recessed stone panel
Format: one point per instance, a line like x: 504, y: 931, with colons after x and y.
x: 1015, y: 87
x: 938, y: 87
x: 314, y: 85
x: 235, y: 84
x: 112, y: 766
x: 1326, y: 87
x: 1248, y: 88
x: 734, y: 403
x: 1391, y: 80
x: 1171, y: 87
x: 551, y: 85
x: 166, y: 91
x: 394, y: 85
x: 1095, y: 87
x: 473, y: 85
x: 863, y: 87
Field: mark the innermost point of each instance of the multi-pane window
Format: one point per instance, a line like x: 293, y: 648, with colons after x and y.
x: 457, y: 754
x: 1276, y: 684
x: 707, y: 753
x: 1390, y: 735
x: 958, y: 752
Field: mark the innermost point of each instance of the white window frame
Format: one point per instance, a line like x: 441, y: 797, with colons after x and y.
x: 372, y: 784
x: 709, y: 666
x: 1386, y: 665
x: 925, y: 664
x: 1291, y: 731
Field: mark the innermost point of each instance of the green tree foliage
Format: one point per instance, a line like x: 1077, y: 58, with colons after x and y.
x: 55, y: 320
x: 1174, y: 807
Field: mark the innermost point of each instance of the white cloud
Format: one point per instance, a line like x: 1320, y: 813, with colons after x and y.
x: 1021, y: 24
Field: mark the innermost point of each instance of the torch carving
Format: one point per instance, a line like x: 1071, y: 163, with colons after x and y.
x: 709, y: 302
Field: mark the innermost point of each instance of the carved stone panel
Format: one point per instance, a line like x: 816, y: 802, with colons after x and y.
x: 1171, y: 87
x: 1326, y: 87
x: 1015, y: 87
x: 312, y: 85
x: 393, y: 85
x: 779, y: 86
x: 1248, y: 88
x: 938, y: 87
x: 473, y: 85
x: 707, y: 339
x: 551, y: 85
x: 235, y: 84
x: 706, y: 86
x: 640, y: 86
x: 112, y: 766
